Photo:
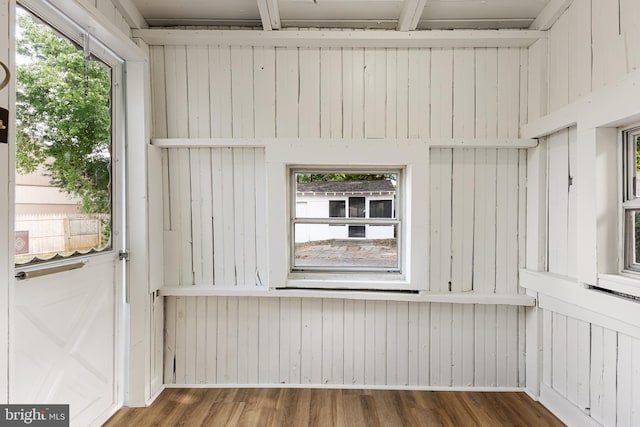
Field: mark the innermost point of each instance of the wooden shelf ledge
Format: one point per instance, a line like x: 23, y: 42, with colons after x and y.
x: 446, y: 298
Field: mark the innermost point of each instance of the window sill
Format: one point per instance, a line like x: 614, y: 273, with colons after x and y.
x: 448, y: 298
x: 627, y: 283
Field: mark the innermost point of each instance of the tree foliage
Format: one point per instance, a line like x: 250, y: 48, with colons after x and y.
x: 63, y: 114
x: 321, y: 177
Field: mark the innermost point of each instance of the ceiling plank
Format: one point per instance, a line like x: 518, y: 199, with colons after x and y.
x: 410, y: 14
x: 550, y: 14
x: 269, y: 14
x: 130, y: 13
x: 381, y: 39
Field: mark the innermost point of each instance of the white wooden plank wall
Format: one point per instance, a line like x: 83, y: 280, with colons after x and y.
x: 250, y: 340
x: 594, y: 44
x: 217, y: 227
x: 313, y: 341
x: 594, y: 368
x: 332, y: 92
x: 215, y: 199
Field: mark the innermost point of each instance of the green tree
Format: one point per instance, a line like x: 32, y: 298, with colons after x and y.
x: 63, y: 114
x: 315, y: 177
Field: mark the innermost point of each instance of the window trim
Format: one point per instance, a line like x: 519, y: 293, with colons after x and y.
x: 629, y: 202
x: 67, y: 27
x: 412, y: 156
x: 347, y: 220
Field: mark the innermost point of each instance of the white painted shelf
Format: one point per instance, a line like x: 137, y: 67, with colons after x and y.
x: 439, y: 297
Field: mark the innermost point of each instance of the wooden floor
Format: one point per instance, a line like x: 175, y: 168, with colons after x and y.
x: 318, y: 407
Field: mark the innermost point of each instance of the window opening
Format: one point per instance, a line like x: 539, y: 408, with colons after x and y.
x: 335, y: 198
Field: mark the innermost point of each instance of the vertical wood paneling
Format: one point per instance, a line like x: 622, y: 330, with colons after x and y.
x: 311, y: 362
x: 330, y: 93
x: 603, y: 375
x: 401, y: 107
x: 559, y: 350
x: 579, y: 49
x: 462, y: 208
x: 630, y: 26
x: 359, y: 349
x: 262, y: 278
x: 170, y: 316
x: 264, y: 91
x: 290, y: 334
x: 269, y: 341
x: 242, y: 90
x: 220, y: 90
x: 351, y: 93
x: 559, y: 63
x: 547, y: 347
x: 158, y: 92
x: 558, y: 177
x: 375, y: 77
x: 508, y: 111
x: 190, y: 340
x: 248, y: 340
x: 572, y: 205
x: 309, y: 92
x: 287, y: 83
x: 353, y: 96
x: 419, y: 110
x: 441, y: 93
x: 609, y: 55
x: 538, y: 80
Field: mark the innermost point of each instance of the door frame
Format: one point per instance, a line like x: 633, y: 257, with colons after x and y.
x: 133, y: 318
x: 7, y: 161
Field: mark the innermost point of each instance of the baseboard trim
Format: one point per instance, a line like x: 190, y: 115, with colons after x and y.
x: 531, y: 394
x: 562, y: 408
x: 155, y: 396
x: 352, y: 387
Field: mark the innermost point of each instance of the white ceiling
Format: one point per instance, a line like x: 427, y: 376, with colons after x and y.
x: 421, y: 14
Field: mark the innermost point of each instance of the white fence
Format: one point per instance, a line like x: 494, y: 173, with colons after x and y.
x: 59, y: 233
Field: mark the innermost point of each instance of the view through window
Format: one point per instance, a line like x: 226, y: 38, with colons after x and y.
x: 63, y: 147
x: 346, y: 221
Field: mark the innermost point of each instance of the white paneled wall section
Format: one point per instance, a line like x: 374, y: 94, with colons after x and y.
x: 589, y: 340
x: 215, y: 202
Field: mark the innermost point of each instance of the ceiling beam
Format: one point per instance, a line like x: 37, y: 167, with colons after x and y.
x: 380, y: 39
x: 269, y: 14
x: 410, y: 14
x: 130, y: 13
x: 550, y: 14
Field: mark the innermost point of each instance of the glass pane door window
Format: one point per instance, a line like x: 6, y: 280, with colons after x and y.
x: 64, y: 145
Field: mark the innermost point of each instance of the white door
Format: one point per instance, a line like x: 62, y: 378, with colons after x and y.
x: 66, y: 312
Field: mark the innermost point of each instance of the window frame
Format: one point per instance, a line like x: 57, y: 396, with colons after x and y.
x: 361, y: 222
x: 412, y: 156
x: 630, y: 202
x: 68, y: 28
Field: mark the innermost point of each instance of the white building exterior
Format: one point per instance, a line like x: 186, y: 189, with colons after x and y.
x: 375, y: 200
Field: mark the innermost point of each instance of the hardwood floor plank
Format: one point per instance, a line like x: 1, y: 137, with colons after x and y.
x: 329, y: 407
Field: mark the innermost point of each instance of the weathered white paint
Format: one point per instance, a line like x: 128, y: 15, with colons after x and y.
x: 593, y: 62
x: 334, y: 109
x: 343, y: 39
x: 590, y: 372
x: 469, y: 142
x: 302, y: 341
